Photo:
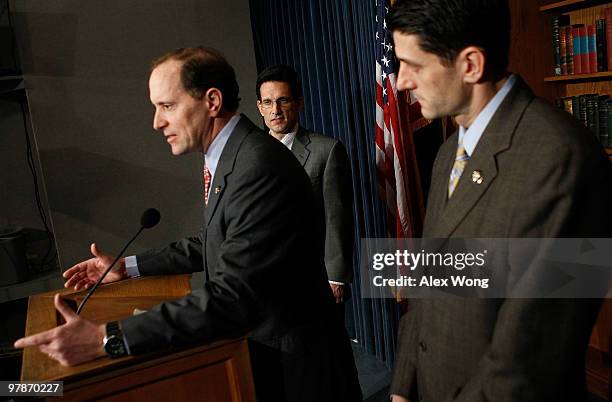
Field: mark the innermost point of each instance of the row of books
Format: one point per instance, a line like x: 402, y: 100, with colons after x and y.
x: 594, y: 111
x: 582, y: 48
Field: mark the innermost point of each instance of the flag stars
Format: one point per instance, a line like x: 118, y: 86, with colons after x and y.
x: 386, y: 61
x: 384, y: 75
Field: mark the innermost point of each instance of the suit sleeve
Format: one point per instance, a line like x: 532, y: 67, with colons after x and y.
x: 338, y: 205
x: 536, y: 341
x: 180, y: 257
x: 404, y: 371
x: 253, y: 258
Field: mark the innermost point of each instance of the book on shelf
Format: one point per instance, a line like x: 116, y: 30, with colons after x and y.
x: 602, y: 50
x: 563, y: 52
x: 569, y: 49
x: 582, y: 48
x: 594, y: 111
x: 592, y: 48
x: 603, y: 131
x: 584, y: 113
x: 575, y: 107
x: 559, y: 46
x: 608, y: 29
x: 609, y: 112
x: 577, y: 48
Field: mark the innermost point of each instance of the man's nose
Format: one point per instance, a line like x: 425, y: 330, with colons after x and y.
x: 405, y: 80
x: 276, y: 109
x: 158, y: 121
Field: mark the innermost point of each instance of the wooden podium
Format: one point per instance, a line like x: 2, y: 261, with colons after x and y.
x: 217, y: 372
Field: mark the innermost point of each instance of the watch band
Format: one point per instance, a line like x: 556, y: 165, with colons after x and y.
x: 114, y: 343
x: 113, y: 328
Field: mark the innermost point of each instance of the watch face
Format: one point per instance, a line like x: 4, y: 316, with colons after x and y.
x: 114, y: 346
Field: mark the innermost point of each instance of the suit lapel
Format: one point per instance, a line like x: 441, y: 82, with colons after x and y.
x: 300, y: 147
x: 226, y: 165
x: 438, y: 193
x: 496, y: 138
x: 467, y: 192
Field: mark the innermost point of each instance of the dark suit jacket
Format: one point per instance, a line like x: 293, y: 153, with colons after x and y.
x: 327, y: 165
x: 544, y: 176
x: 263, y: 273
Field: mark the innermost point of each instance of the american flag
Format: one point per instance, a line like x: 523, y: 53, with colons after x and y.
x: 390, y: 153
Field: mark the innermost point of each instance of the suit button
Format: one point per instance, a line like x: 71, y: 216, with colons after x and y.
x: 423, y: 346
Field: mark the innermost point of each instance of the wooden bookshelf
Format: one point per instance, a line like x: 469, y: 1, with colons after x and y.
x: 580, y: 12
x: 568, y: 5
x: 604, y: 75
x: 599, y: 356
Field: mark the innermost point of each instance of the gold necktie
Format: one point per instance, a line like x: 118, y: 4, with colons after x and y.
x: 461, y: 159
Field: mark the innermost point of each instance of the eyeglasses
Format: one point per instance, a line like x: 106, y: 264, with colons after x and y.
x: 281, y: 102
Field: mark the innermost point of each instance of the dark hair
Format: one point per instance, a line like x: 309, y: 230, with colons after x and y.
x: 204, y: 68
x: 446, y: 27
x: 282, y: 73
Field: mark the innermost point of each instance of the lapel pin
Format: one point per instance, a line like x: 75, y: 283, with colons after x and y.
x: 477, y: 177
x: 217, y: 189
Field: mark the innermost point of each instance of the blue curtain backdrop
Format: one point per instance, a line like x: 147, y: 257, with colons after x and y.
x: 331, y: 45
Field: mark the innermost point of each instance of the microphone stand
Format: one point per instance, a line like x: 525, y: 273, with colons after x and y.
x: 93, y: 289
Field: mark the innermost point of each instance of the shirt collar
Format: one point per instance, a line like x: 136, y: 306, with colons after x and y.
x: 471, y: 136
x: 287, y: 139
x: 212, y: 155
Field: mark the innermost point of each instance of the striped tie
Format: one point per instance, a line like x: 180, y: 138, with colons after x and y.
x: 207, y: 179
x: 461, y: 159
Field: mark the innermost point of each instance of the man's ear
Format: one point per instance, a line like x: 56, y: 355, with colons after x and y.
x: 472, y: 62
x: 260, y: 108
x: 300, y: 102
x: 214, y: 100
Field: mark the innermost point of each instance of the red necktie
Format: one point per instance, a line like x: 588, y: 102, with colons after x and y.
x: 207, y: 180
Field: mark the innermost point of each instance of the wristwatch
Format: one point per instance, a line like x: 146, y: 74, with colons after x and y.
x: 114, y: 344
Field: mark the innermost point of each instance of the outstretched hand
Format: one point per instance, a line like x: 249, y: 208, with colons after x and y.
x: 85, y: 274
x: 77, y: 341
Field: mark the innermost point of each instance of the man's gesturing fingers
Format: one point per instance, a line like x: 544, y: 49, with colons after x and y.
x: 63, y: 308
x: 35, y: 340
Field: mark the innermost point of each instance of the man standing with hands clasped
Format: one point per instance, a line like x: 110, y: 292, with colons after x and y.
x: 280, y: 99
x: 264, y: 273
x: 517, y: 168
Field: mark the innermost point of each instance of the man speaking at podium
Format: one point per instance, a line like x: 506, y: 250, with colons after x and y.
x: 262, y: 261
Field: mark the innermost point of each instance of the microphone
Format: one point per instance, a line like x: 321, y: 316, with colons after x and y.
x: 149, y: 218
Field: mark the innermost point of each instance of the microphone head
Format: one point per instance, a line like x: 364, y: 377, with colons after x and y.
x: 150, y: 218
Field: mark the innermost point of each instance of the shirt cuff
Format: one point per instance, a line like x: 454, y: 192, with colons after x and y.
x: 337, y: 283
x: 131, y: 266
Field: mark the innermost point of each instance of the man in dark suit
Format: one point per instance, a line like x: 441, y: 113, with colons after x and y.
x: 518, y: 167
x: 264, y: 271
x: 280, y: 99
